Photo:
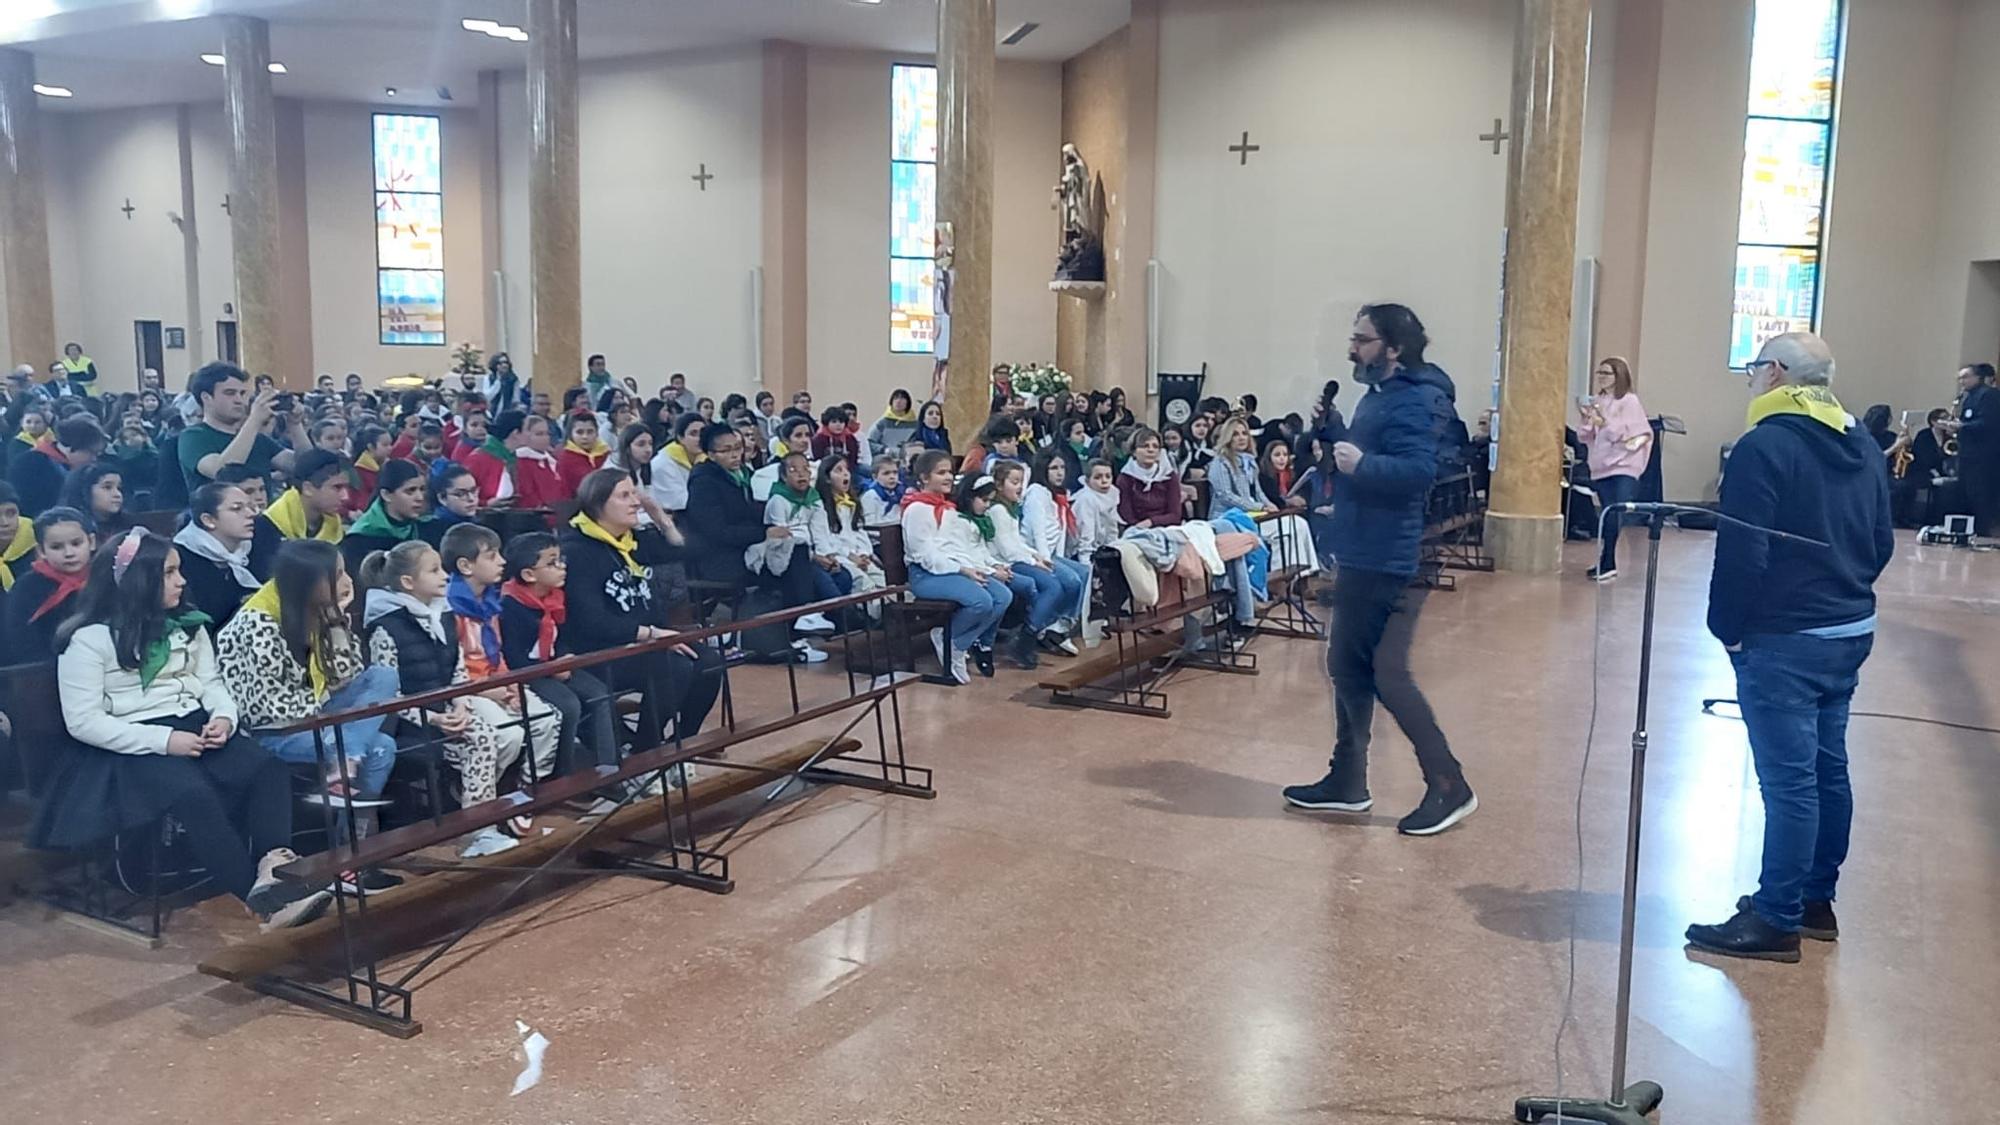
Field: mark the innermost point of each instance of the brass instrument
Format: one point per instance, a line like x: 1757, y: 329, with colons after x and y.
x: 1950, y: 445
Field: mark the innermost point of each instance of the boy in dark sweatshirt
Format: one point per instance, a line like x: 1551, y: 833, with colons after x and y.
x: 532, y: 612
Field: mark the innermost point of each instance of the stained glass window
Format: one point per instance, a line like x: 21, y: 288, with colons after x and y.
x: 912, y: 207
x: 1787, y: 146
x: 409, y: 229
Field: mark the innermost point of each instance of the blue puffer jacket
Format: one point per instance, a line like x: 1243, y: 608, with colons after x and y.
x: 1378, y: 509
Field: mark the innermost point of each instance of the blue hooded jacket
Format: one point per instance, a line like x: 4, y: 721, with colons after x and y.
x: 1378, y: 509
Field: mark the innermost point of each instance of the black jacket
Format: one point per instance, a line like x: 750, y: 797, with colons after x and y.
x: 31, y: 642
x: 39, y: 480
x: 1378, y: 509
x: 1978, y: 436
x: 520, y: 627
x: 606, y: 601
x: 422, y: 662
x: 1797, y: 475
x: 721, y: 520
x: 212, y: 589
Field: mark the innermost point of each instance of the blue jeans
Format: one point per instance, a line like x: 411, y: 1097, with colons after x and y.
x: 1075, y: 579
x: 1612, y: 490
x: 1794, y: 691
x: 829, y: 584
x: 373, y: 751
x: 1046, y: 594
x: 1237, y: 573
x: 981, y: 605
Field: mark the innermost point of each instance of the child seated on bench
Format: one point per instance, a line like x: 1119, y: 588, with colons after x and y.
x: 1050, y: 524
x: 532, y: 611
x: 1097, y: 520
x: 948, y: 562
x: 471, y: 556
x: 844, y: 537
x: 405, y: 618
x: 1053, y: 592
x: 155, y: 733
x: 882, y: 500
x: 45, y: 595
x: 795, y: 505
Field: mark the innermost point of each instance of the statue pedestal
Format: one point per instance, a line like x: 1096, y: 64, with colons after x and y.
x: 1086, y: 290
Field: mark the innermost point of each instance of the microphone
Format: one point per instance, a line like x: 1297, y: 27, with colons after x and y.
x: 1660, y: 511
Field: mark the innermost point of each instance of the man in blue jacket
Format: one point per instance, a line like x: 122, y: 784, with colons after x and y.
x: 1797, y: 620
x: 1386, y: 466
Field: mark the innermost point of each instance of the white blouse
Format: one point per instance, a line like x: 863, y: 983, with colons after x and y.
x: 942, y: 548
x: 105, y: 706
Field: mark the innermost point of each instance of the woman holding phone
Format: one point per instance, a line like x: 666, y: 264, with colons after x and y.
x: 1613, y: 424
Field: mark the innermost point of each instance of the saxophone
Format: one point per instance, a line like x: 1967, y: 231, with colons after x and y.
x: 1950, y: 445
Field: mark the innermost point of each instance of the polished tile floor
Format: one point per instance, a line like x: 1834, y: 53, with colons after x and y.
x: 1109, y: 920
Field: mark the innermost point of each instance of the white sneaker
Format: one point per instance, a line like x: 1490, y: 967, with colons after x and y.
x: 937, y: 644
x: 270, y: 894
x: 297, y: 913
x: 814, y: 623
x: 807, y: 654
x: 487, y: 841
x: 957, y: 667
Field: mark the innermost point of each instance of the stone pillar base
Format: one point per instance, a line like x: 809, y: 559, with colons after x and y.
x: 1525, y: 544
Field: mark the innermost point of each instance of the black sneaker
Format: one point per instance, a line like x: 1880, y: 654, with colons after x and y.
x: 982, y: 659
x: 370, y: 882
x: 1747, y: 936
x: 1330, y: 794
x: 1444, y: 805
x: 1818, y: 924
x: 1021, y: 650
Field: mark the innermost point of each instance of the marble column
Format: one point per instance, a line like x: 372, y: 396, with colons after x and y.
x: 24, y: 218
x: 965, y: 200
x: 253, y: 198
x: 1551, y: 61
x: 555, y: 257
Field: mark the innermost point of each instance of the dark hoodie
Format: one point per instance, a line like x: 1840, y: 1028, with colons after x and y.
x: 1378, y: 509
x: 1797, y: 474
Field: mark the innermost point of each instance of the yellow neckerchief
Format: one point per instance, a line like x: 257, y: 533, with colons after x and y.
x: 680, y: 456
x: 905, y: 417
x: 367, y: 461
x: 623, y: 544
x: 288, y: 515
x: 26, y: 438
x: 23, y: 544
x: 594, y: 452
x: 265, y: 601
x: 1816, y: 403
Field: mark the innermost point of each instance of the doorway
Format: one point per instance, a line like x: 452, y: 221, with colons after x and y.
x: 146, y: 348
x: 225, y: 341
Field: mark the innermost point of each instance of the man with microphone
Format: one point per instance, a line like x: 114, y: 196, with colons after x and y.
x: 1797, y: 620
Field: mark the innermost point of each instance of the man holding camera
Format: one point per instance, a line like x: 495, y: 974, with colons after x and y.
x: 1798, y: 621
x: 231, y: 430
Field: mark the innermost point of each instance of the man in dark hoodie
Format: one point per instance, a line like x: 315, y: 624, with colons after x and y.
x: 1798, y: 620
x: 1386, y: 466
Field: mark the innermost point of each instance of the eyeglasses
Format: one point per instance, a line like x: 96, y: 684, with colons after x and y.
x: 462, y: 494
x: 1750, y: 369
x: 1358, y: 339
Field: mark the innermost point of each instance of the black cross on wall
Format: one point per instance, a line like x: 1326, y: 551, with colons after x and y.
x: 1244, y: 148
x: 702, y: 177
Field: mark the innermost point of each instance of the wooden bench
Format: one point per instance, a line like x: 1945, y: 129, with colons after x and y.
x: 906, y: 618
x: 1127, y: 675
x: 365, y: 997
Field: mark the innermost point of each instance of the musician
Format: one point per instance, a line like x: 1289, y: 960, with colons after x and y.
x: 1977, y: 427
x: 1917, y: 462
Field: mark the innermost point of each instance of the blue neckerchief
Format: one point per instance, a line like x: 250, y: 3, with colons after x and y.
x: 891, y: 499
x: 484, y: 609
x: 933, y: 439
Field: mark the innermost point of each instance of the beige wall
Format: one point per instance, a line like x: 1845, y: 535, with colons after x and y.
x: 847, y: 225
x: 1094, y: 119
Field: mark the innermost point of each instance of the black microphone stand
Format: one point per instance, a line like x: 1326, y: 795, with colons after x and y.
x: 1627, y: 1105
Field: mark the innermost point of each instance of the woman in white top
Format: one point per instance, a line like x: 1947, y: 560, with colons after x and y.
x: 1055, y: 590
x: 155, y: 733
x: 1049, y: 520
x: 948, y: 561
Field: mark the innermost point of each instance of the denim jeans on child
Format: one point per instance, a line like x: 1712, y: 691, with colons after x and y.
x: 372, y: 752
x: 981, y: 604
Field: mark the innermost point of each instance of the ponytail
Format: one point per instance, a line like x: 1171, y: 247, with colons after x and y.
x: 385, y: 570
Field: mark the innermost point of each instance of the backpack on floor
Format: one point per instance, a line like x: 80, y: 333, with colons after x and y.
x: 765, y: 644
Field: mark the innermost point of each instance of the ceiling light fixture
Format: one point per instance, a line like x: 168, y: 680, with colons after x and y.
x: 54, y: 91
x: 869, y: 3
x: 388, y: 91
x: 1019, y: 33
x: 217, y: 60
x: 495, y: 29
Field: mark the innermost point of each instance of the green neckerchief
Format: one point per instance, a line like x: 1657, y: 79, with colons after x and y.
x: 800, y: 501
x: 155, y: 656
x: 984, y: 522
x: 377, y: 521
x: 1012, y: 510
x: 1078, y: 447
x: 741, y: 475
x: 499, y: 449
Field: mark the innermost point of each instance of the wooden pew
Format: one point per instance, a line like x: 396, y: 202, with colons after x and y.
x: 1147, y: 646
x: 364, y: 996
x: 907, y: 618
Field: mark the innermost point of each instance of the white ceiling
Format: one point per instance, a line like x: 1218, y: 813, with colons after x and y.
x: 146, y: 52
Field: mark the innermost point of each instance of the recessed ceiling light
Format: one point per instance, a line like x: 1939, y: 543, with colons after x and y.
x: 388, y: 91
x: 870, y: 3
x: 496, y: 29
x: 217, y: 60
x: 53, y: 91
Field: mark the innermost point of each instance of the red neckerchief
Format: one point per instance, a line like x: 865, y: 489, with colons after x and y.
x: 1068, y: 513
x: 554, y: 609
x: 46, y: 446
x: 1284, y: 484
x: 66, y: 585
x: 939, y: 504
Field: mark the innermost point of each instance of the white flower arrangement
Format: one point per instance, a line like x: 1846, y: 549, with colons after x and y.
x: 1038, y: 379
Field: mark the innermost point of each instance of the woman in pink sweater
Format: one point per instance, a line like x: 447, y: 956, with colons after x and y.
x: 1620, y: 438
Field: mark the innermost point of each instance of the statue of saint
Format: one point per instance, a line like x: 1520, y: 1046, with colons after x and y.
x: 1076, y: 200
